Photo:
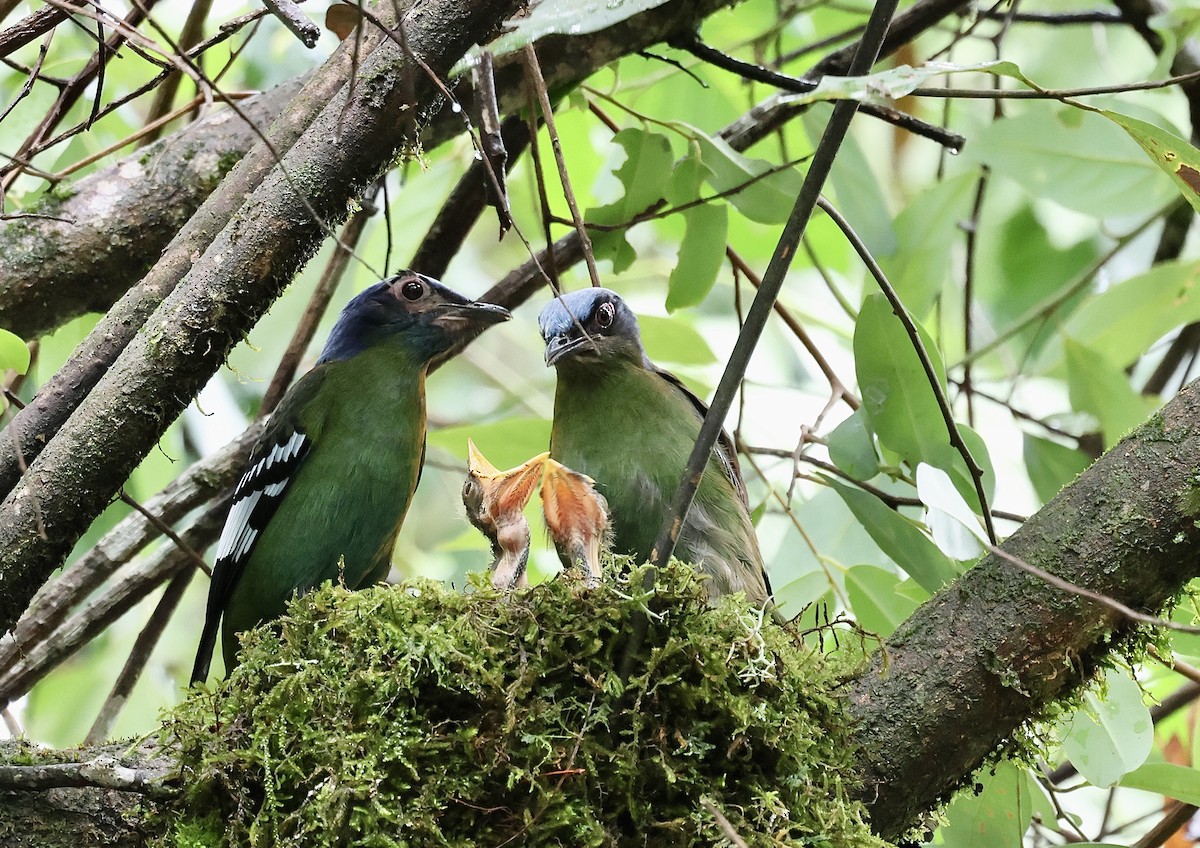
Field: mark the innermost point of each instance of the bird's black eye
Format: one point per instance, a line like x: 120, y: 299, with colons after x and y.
x: 605, y: 315
x: 412, y: 290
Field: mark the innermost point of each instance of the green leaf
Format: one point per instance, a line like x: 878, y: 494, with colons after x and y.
x: 684, y: 185
x: 644, y: 174
x: 899, y: 538
x: 1054, y: 155
x: 1122, y: 322
x: 673, y: 340
x: 13, y: 353
x: 955, y: 529
x: 1101, y: 388
x: 874, y: 600
x: 1174, y: 156
x: 1109, y: 738
x: 852, y: 448
x: 927, y: 232
x: 768, y: 200
x: 700, y: 255
x: 997, y: 815
x: 860, y: 197
x: 1051, y: 465
x: 614, y: 247
x: 1027, y: 271
x: 1179, y: 782
x: 897, y: 399
x: 505, y: 443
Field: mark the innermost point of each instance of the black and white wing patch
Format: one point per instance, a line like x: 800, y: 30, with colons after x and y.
x: 257, y: 496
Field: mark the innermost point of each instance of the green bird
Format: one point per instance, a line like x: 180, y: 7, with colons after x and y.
x: 333, y: 474
x: 630, y: 426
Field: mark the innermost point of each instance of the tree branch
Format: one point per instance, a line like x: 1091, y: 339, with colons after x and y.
x: 244, y: 268
x: 993, y: 649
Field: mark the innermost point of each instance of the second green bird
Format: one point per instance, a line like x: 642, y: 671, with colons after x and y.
x: 332, y: 476
x: 630, y: 426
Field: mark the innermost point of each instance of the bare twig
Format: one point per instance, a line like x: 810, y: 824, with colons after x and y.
x: 726, y: 828
x: 331, y: 276
x: 143, y: 647
x: 164, y: 528
x: 466, y: 203
x: 291, y: 16
x: 1114, y: 605
x: 692, y: 44
x: 793, y: 324
x: 935, y: 384
x: 104, y: 772
x: 1176, y: 817
x: 111, y: 605
x: 539, y: 84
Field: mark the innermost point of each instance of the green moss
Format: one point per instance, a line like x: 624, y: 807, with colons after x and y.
x: 421, y: 715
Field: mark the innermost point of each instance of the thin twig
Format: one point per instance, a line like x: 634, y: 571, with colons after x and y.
x: 331, y: 277
x: 1112, y: 603
x: 103, y: 772
x: 935, y: 384
x: 723, y: 823
x: 793, y: 324
x: 539, y: 84
x: 691, y: 44
x: 166, y: 530
x: 1177, y: 816
x: 1054, y: 93
x: 139, y: 655
x: 126, y: 593
x: 756, y: 319
x: 290, y: 15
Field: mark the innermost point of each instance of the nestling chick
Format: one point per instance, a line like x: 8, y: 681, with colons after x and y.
x: 495, y: 502
x: 577, y: 518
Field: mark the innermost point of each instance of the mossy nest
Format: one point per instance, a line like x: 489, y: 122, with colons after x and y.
x: 421, y: 715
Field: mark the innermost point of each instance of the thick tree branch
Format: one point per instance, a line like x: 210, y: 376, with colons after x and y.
x: 27, y: 290
x: 348, y: 144
x: 53, y: 271
x: 995, y: 648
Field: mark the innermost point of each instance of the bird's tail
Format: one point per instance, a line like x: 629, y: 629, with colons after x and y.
x: 208, y: 641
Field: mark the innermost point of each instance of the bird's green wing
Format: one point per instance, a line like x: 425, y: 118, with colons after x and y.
x: 273, y: 464
x: 726, y: 452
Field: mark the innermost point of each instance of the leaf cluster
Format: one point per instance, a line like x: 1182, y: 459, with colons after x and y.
x: 420, y: 715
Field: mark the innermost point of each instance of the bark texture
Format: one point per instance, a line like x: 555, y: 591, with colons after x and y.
x: 998, y: 645
x: 120, y: 219
x: 349, y: 142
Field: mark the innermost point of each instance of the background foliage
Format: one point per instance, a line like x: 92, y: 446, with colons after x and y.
x: 1050, y: 265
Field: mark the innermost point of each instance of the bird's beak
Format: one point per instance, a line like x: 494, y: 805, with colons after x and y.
x: 474, y: 315
x: 478, y: 464
x: 563, y: 345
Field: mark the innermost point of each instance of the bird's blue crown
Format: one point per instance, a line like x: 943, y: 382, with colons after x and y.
x: 564, y: 312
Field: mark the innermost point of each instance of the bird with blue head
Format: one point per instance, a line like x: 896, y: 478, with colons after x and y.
x: 330, y: 480
x: 630, y: 426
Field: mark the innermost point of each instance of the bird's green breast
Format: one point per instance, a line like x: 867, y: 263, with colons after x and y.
x: 631, y: 431
x: 366, y: 420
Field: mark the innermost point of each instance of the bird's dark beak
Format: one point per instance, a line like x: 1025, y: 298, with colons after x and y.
x: 466, y: 317
x: 563, y: 345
